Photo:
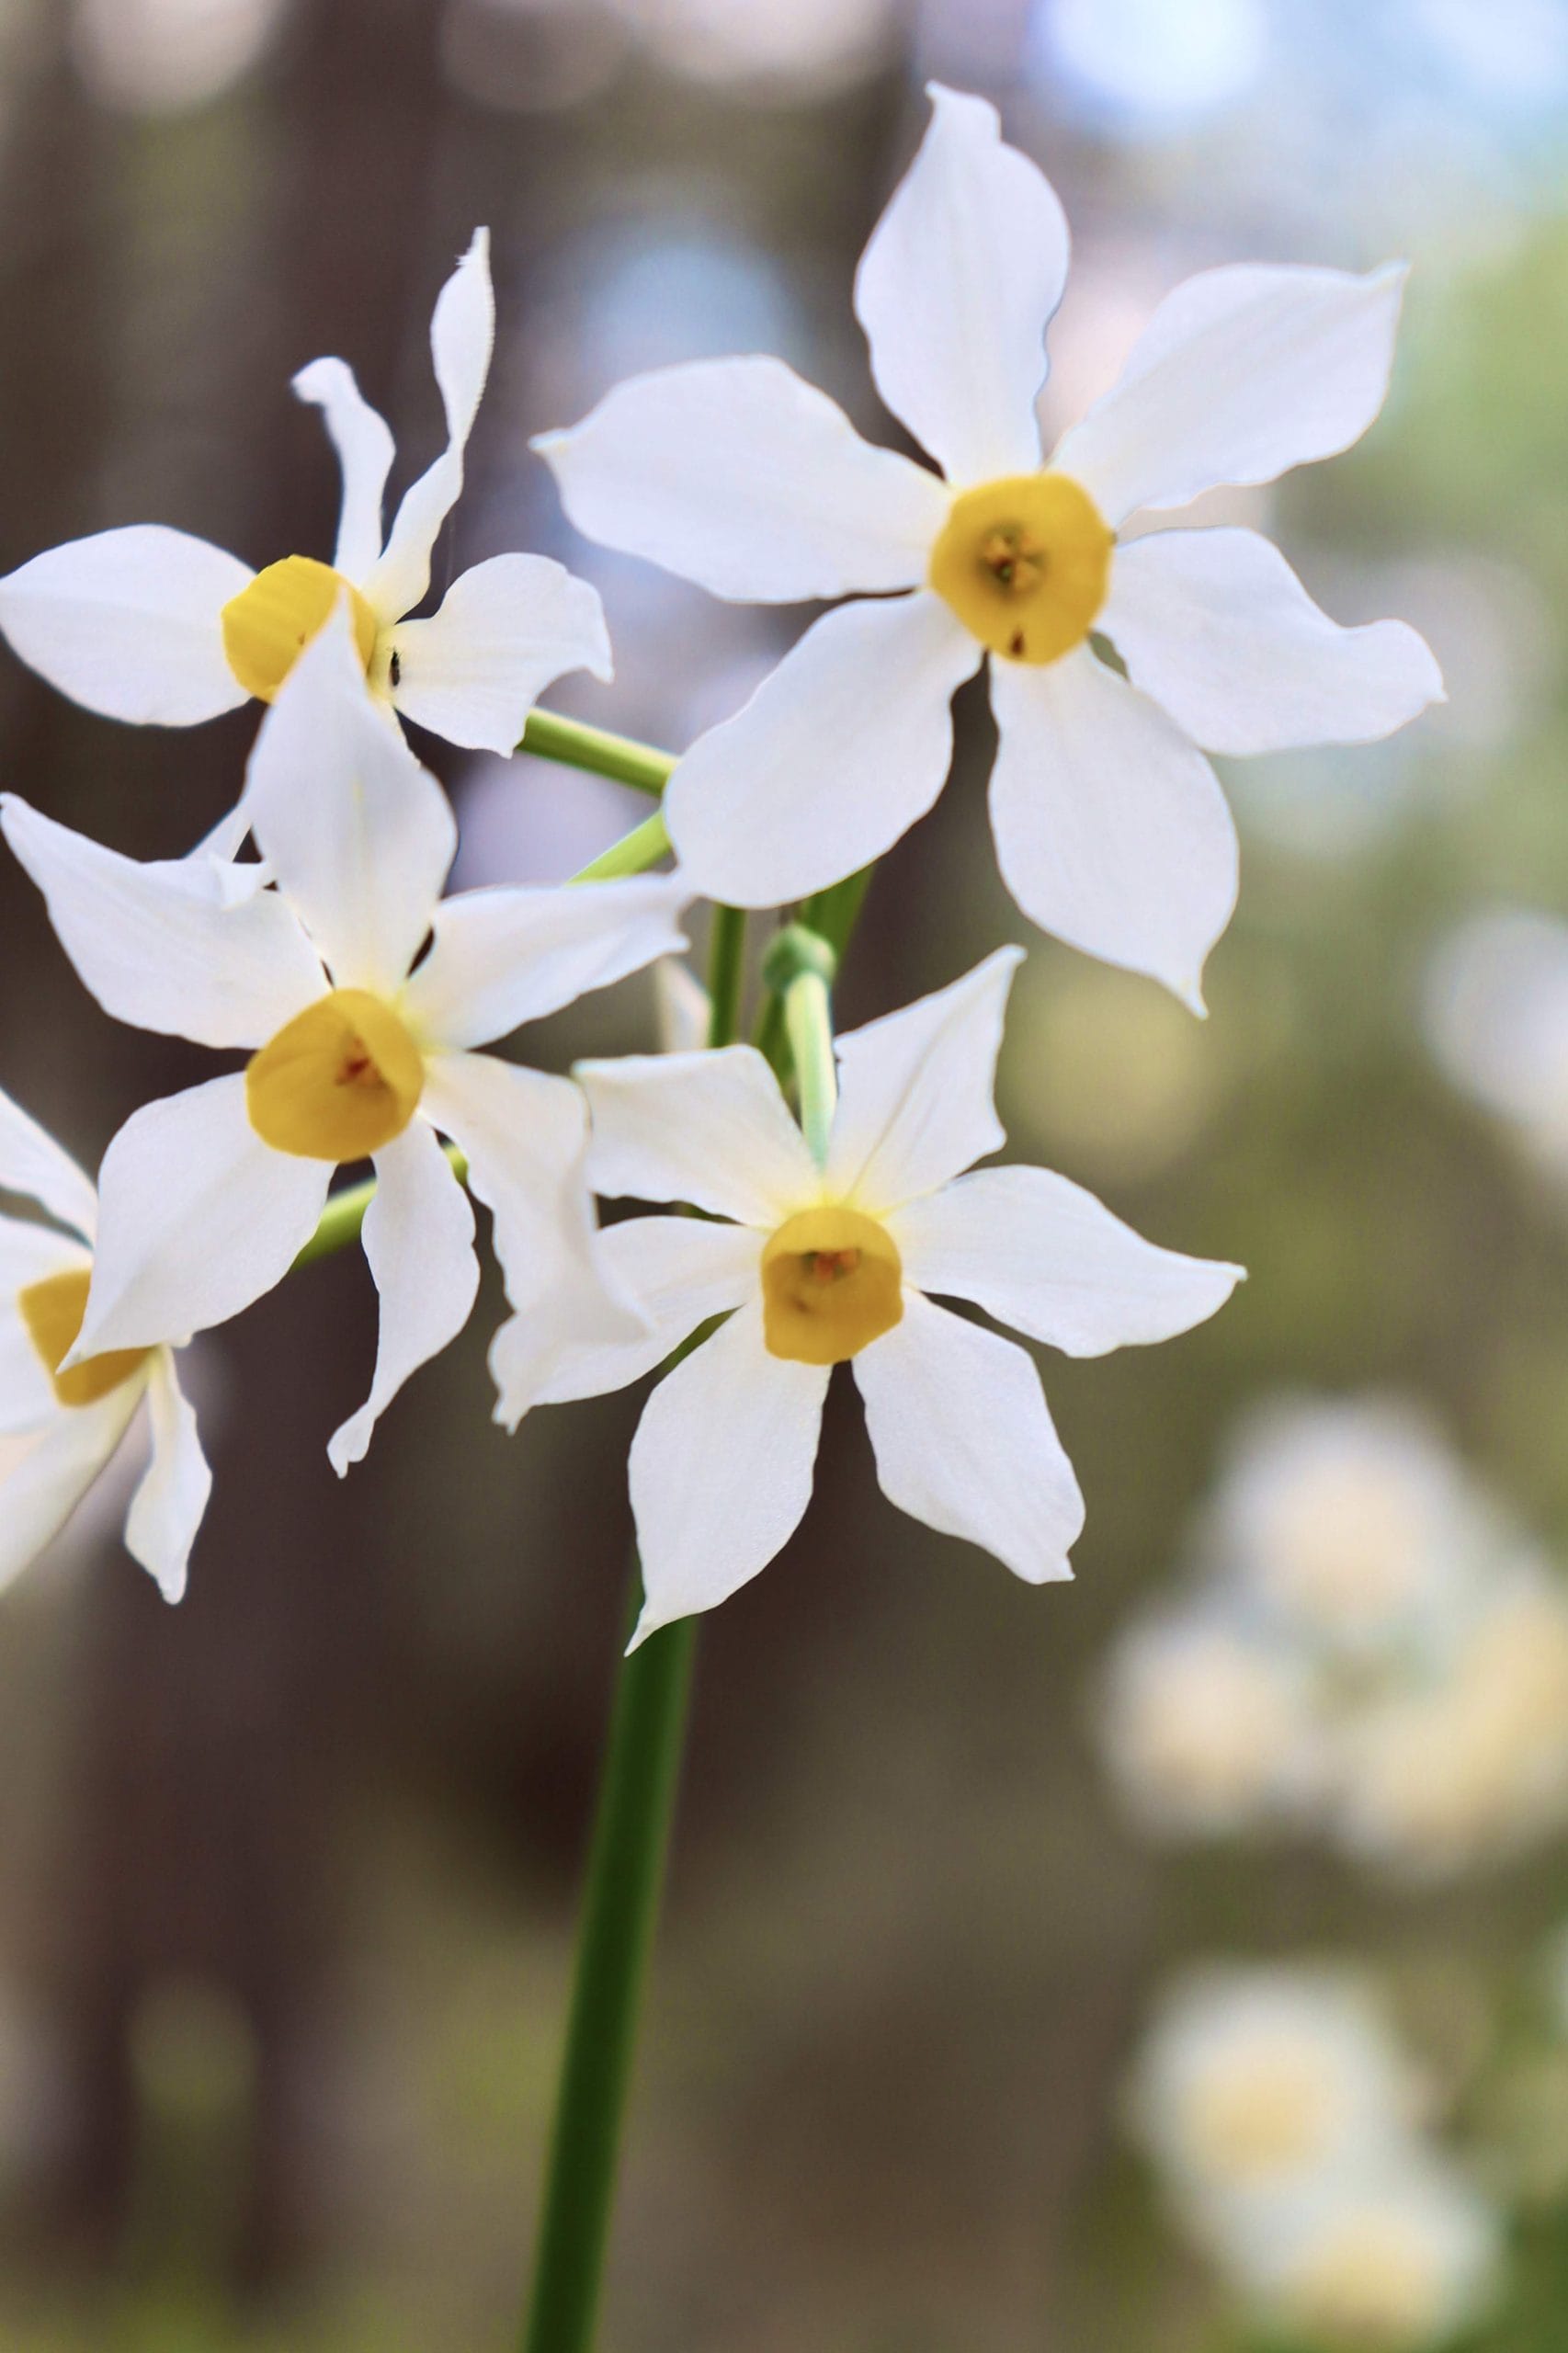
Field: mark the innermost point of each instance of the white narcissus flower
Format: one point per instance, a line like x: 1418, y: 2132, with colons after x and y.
x: 821, y: 1265
x: 1402, y: 2259
x: 151, y: 624
x: 69, y: 1420
x: 1257, y: 2080
x: 356, y: 1049
x: 1110, y: 827
x: 1209, y: 1728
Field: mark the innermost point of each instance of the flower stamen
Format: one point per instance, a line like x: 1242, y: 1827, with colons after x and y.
x: 831, y: 1283
x: 268, y: 625
x: 52, y: 1311
x: 339, y: 1081
x: 1025, y: 564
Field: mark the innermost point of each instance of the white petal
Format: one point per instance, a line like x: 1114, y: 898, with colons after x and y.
x: 197, y: 1218
x: 680, y: 1270
x: 963, y: 1439
x: 38, y: 1496
x: 722, y: 1468
x: 1217, y: 628
x: 737, y: 474
x: 712, y: 1128
x: 358, y: 835
x: 167, y: 1507
x: 914, y: 1090
x: 1112, y: 829
x: 836, y: 754
x: 462, y: 332
x: 504, y: 631
x: 1044, y: 1255
x: 29, y: 1254
x: 419, y: 1241
x: 526, y: 1135
x: 364, y: 447
x: 32, y: 1162
x: 962, y: 273
x: 509, y: 953
x: 166, y: 945
x: 128, y: 622
x: 1241, y: 373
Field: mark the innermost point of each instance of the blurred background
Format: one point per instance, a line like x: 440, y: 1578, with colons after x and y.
x: 287, y: 1876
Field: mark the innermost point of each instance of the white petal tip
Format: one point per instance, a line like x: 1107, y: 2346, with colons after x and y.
x: 478, y: 246
x: 346, y: 1447
x: 544, y: 444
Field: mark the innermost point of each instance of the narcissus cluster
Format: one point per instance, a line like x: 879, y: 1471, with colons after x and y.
x: 820, y: 1197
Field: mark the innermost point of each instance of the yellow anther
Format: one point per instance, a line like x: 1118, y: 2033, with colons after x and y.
x: 340, y: 1080
x: 832, y: 1282
x: 1024, y: 562
x: 268, y: 626
x: 52, y: 1311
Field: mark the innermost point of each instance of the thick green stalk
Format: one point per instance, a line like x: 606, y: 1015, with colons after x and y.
x: 620, y: 1902
x: 643, y: 765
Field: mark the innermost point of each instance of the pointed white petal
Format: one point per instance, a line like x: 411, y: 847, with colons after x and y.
x: 128, y: 622
x: 964, y: 271
x: 524, y: 1136
x: 1241, y: 373
x: 38, y: 1496
x: 197, y: 1218
x: 505, y: 630
x: 914, y: 1090
x: 169, y: 946
x: 1217, y: 628
x: 509, y: 953
x: 419, y: 1241
x: 680, y: 1270
x: 1044, y: 1255
x: 167, y: 1507
x: 963, y: 1439
x: 462, y: 332
x: 358, y: 835
x: 836, y: 754
x: 32, y: 1162
x: 29, y: 1254
x: 737, y: 474
x: 712, y: 1128
x: 364, y: 445
x: 722, y: 1468
x: 1112, y: 829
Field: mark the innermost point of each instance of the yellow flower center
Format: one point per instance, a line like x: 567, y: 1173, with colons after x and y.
x: 1024, y: 562
x: 337, y: 1082
x: 832, y: 1282
x: 52, y: 1311
x: 268, y: 626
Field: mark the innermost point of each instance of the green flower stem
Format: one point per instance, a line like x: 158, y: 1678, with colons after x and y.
x: 620, y: 1903
x: 633, y: 854
x: 808, y: 1020
x: 642, y: 766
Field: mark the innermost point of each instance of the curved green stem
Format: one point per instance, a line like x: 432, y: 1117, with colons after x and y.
x: 807, y: 1022
x: 643, y: 765
x: 633, y: 854
x: 620, y: 1902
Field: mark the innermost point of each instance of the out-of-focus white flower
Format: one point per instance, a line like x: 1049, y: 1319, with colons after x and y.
x: 65, y: 1423
x: 1110, y: 826
x: 1207, y: 1728
x: 1465, y: 1771
x: 1349, y: 1522
x: 682, y: 1009
x: 149, y: 624
x: 816, y: 1263
x: 361, y: 1045
x: 1398, y: 2259
x: 1495, y: 1006
x: 1259, y: 2080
